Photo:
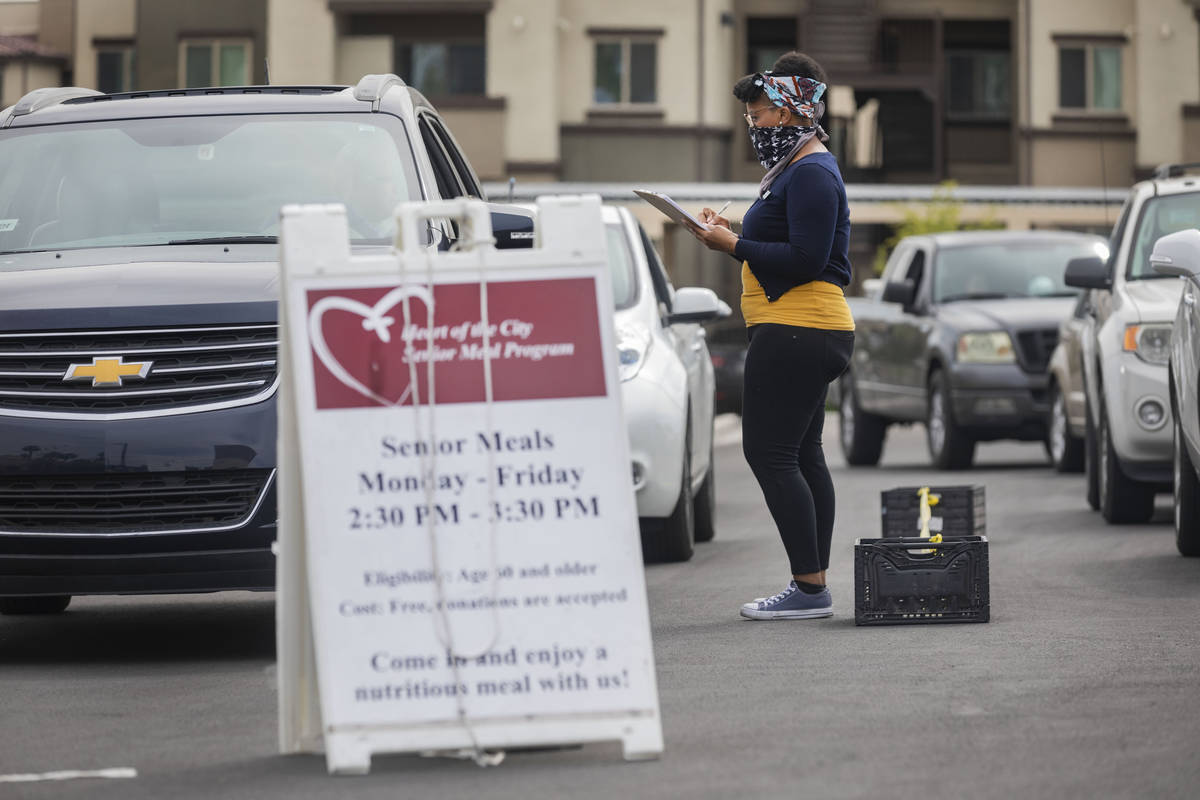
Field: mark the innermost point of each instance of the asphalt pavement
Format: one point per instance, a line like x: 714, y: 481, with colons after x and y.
x: 1086, y: 683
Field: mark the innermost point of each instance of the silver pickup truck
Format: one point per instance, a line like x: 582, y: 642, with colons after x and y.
x: 958, y: 335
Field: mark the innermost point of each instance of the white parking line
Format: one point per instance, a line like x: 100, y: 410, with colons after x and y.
x: 69, y: 775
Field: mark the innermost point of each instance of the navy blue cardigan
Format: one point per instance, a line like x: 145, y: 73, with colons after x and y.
x: 800, y: 232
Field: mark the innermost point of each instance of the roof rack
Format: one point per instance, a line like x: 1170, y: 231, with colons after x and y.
x: 49, y: 96
x: 1174, y: 170
x: 200, y: 92
x: 372, y: 88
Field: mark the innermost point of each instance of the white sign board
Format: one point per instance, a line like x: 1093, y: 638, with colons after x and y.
x: 458, y: 532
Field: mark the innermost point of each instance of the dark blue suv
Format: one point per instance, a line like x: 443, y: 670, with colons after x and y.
x: 138, y: 289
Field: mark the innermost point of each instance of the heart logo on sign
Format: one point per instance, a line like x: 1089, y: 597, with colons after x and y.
x: 378, y: 319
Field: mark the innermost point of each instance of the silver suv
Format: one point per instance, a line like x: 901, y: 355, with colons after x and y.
x: 1125, y: 346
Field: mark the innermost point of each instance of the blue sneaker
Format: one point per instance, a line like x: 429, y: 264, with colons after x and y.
x: 791, y: 603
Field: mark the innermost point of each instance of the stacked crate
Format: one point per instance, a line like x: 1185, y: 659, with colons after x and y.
x: 904, y: 578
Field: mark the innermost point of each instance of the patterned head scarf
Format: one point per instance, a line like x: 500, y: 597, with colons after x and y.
x: 801, y: 96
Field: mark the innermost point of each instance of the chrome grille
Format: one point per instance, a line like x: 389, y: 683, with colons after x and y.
x: 195, y: 366
x: 1034, y: 348
x: 130, y: 502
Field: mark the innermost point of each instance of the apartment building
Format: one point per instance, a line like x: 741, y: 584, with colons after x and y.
x: 1036, y: 92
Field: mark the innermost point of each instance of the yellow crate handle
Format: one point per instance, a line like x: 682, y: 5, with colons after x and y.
x: 928, y: 500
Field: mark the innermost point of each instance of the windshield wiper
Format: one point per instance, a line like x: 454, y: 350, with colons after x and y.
x: 975, y: 296
x: 229, y: 240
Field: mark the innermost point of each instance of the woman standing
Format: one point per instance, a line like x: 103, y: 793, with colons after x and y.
x: 794, y: 250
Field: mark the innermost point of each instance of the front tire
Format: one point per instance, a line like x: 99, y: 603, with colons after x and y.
x: 861, y: 433
x: 1066, y: 451
x: 672, y: 540
x: 1091, y: 462
x: 41, y: 604
x: 1122, y: 500
x: 950, y: 446
x: 706, y: 503
x: 1187, y: 497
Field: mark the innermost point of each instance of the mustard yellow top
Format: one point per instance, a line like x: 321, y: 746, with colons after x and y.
x: 817, y: 304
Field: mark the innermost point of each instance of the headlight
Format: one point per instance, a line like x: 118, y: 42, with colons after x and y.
x: 1152, y: 343
x: 990, y: 347
x: 632, y: 346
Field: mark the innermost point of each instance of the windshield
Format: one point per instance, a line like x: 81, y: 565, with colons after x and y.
x: 1161, y: 215
x: 620, y: 267
x: 1029, y: 268
x: 187, y: 180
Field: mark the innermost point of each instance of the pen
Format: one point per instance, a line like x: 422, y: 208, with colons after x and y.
x: 722, y: 211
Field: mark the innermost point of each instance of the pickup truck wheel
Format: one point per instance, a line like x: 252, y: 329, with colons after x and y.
x: 1066, y: 451
x: 1091, y: 468
x: 1122, y: 500
x: 861, y: 433
x: 1187, y: 498
x: 950, y: 446
x: 42, y: 604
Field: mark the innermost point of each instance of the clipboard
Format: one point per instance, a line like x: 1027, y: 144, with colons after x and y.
x: 669, y: 207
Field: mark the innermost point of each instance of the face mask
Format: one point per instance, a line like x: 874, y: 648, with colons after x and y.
x: 772, y: 144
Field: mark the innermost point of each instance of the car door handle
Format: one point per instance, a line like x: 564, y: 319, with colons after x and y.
x: 1188, y: 300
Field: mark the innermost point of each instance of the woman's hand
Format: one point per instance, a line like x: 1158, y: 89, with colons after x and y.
x: 716, y: 237
x: 709, y: 216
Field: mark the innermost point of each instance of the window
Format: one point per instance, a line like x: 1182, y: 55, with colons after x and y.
x: 978, y: 85
x: 114, y: 68
x: 626, y: 71
x: 767, y: 38
x: 1161, y: 215
x: 135, y: 182
x: 1030, y: 268
x: 214, y: 62
x: 1089, y: 77
x: 442, y: 67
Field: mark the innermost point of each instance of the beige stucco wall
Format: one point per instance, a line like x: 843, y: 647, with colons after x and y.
x: 301, y: 41
x: 480, y: 133
x: 1049, y: 17
x: 103, y: 19
x: 524, y: 68
x: 1085, y: 160
x: 18, y: 19
x: 1168, y: 69
x: 25, y: 76
x: 362, y: 55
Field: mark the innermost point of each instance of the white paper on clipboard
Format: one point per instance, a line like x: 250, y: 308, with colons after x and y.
x: 669, y: 207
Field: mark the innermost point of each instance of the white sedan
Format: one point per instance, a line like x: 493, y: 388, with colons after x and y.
x: 667, y: 391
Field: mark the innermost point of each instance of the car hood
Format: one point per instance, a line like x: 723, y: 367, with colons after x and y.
x: 1024, y: 313
x: 1156, y: 299
x: 150, y: 283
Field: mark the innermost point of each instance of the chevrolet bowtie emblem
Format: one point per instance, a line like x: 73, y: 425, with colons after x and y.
x: 107, y: 371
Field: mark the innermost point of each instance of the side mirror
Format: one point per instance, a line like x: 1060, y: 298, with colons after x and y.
x: 512, y: 226
x: 903, y: 292
x: 696, y: 304
x: 1087, y: 272
x: 1177, y: 254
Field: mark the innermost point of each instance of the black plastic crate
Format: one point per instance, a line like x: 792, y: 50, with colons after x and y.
x: 959, y: 512
x: 914, y: 580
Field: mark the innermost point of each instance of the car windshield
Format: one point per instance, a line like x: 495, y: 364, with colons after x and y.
x: 188, y: 180
x: 620, y: 267
x: 1161, y: 215
x: 1032, y: 268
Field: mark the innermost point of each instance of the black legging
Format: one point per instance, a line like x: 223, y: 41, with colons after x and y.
x: 788, y: 372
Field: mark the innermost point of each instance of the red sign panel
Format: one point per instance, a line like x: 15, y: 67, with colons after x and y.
x: 367, y: 344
